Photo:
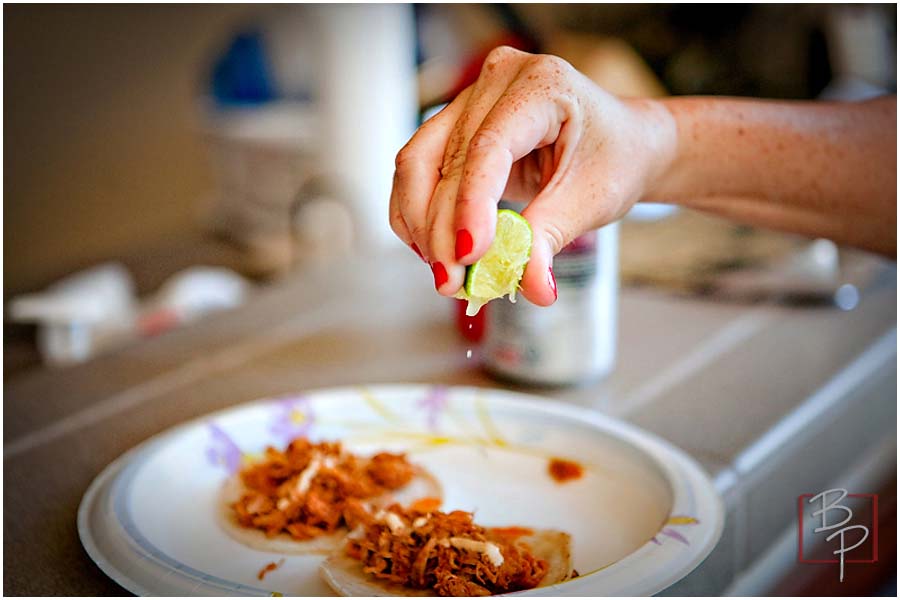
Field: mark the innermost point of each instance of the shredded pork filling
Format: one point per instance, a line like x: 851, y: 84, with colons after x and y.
x: 446, y: 552
x: 309, y: 490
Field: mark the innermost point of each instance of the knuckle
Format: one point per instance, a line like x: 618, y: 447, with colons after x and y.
x: 469, y: 210
x: 453, y: 162
x: 485, y: 139
x: 549, y: 64
x: 405, y: 157
x: 417, y: 233
x: 432, y: 230
x: 398, y: 224
x: 465, y: 201
x: 557, y: 238
x: 499, y: 56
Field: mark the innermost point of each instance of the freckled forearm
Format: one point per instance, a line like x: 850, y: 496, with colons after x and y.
x: 824, y: 169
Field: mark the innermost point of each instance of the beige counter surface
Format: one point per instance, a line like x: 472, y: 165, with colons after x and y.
x: 744, y: 389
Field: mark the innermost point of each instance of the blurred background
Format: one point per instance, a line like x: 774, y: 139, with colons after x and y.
x: 195, y: 215
x: 149, y: 139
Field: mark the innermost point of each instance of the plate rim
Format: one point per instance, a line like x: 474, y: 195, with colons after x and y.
x: 647, y: 442
x: 86, y: 536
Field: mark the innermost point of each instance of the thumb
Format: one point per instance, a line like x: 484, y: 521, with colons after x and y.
x: 552, y: 231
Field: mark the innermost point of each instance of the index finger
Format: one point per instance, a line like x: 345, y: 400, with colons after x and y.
x: 519, y: 122
x: 418, y: 171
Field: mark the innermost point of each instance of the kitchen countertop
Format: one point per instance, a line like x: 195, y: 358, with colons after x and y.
x: 773, y: 401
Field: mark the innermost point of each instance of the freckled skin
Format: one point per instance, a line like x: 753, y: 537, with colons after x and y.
x: 814, y: 168
x: 532, y: 129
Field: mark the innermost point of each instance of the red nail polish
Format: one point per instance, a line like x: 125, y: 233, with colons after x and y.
x: 416, y: 250
x: 440, y: 274
x: 552, y: 281
x: 464, y: 243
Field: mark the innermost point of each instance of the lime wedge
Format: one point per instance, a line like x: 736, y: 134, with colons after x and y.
x: 499, y: 271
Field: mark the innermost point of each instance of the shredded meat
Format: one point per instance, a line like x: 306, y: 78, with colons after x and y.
x: 426, y: 505
x: 454, y: 585
x: 311, y: 489
x: 421, y: 554
x: 390, y: 470
x: 510, y: 532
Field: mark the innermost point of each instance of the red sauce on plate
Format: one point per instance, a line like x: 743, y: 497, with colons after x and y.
x: 269, y: 567
x: 563, y: 470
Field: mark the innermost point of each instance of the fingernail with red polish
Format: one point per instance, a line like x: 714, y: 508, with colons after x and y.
x: 551, y: 280
x: 464, y: 243
x: 416, y: 250
x: 440, y: 274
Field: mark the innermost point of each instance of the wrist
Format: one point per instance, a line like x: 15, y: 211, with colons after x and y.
x: 659, y: 131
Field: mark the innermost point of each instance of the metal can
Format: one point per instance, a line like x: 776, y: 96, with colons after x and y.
x: 574, y: 340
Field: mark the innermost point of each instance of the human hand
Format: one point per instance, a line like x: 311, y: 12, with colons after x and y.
x: 530, y: 129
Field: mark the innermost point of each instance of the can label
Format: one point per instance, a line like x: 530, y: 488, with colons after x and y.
x: 576, y: 265
x: 574, y: 339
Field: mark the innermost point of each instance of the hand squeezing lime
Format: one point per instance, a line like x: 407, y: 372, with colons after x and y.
x: 499, y: 271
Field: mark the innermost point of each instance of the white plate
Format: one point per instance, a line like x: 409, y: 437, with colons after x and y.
x: 643, y: 516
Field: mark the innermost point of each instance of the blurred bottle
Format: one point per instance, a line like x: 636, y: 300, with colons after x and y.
x: 97, y: 310
x: 80, y: 314
x: 471, y: 328
x: 368, y: 104
x: 573, y: 341
x: 240, y: 77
